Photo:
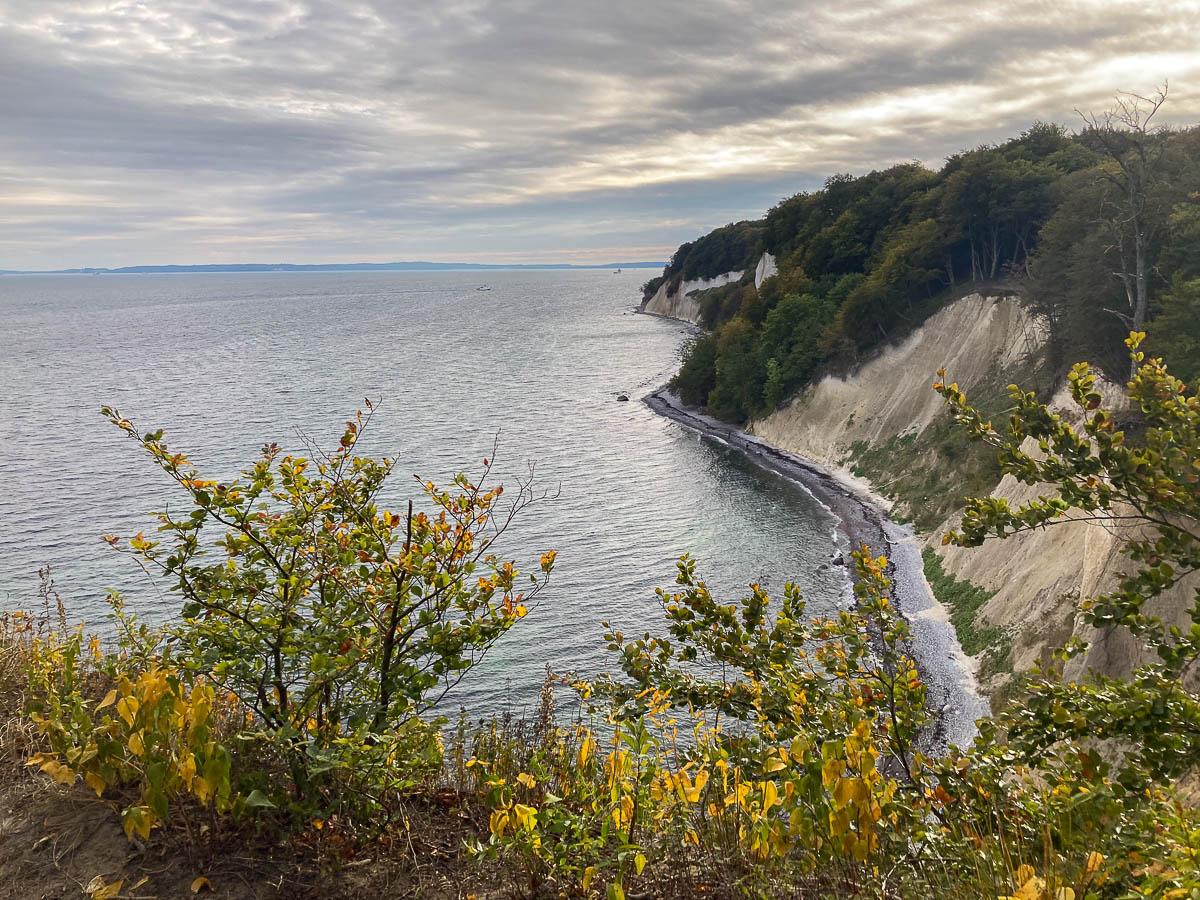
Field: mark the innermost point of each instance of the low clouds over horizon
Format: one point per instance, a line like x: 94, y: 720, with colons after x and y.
x: 221, y: 131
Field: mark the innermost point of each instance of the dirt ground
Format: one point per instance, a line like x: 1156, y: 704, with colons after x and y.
x: 58, y: 843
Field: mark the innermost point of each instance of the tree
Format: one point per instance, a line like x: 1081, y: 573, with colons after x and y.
x: 739, y: 372
x: 1175, y: 332
x: 997, y: 204
x: 1131, y: 208
x: 698, y: 373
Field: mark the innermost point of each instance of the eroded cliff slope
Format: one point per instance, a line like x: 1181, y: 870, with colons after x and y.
x: 884, y: 423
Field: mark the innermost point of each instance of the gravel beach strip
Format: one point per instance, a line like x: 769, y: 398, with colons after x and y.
x: 954, y: 699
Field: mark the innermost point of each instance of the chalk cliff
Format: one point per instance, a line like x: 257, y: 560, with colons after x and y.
x: 683, y: 302
x: 1036, y: 577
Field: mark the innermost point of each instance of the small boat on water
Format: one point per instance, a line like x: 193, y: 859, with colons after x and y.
x: 484, y: 287
x: 617, y: 272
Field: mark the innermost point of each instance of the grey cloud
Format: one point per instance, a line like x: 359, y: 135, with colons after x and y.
x: 202, y: 130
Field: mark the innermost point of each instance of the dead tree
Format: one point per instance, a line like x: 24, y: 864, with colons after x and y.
x: 1134, y: 148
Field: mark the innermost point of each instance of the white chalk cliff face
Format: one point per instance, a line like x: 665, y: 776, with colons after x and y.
x: 1037, y: 577
x: 891, y: 394
x: 764, y: 270
x: 683, y: 302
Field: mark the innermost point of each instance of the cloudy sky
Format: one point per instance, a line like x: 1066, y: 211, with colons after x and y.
x: 188, y: 131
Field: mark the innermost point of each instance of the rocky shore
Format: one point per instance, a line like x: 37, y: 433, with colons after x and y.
x: 863, y: 519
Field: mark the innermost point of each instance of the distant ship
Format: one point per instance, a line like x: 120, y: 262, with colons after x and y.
x: 484, y: 287
x: 617, y: 272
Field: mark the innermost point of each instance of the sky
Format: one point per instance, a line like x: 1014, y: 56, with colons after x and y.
x: 222, y: 131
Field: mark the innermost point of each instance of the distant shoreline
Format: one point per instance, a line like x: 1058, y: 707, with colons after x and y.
x: 954, y: 699
x: 417, y: 266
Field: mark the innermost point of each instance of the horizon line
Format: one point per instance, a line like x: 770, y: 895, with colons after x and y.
x: 404, y: 265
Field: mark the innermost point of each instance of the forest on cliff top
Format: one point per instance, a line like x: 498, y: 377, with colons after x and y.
x: 1098, y: 229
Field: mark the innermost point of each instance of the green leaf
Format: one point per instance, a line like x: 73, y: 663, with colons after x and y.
x: 256, y: 799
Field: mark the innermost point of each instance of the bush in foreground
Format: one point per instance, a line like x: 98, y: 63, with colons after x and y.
x: 750, y: 751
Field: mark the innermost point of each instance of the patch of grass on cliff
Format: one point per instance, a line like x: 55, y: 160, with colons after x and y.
x: 928, y: 474
x: 964, y: 600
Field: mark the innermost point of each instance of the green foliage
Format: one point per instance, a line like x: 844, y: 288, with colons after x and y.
x: 930, y: 473
x: 739, y: 374
x: 1175, y: 333
x: 964, y: 600
x: 730, y: 248
x: 154, y: 729
x: 1147, y: 480
x: 804, y: 767
x: 819, y: 768
x: 337, y: 623
x: 866, y: 259
x: 697, y: 374
x: 1121, y: 232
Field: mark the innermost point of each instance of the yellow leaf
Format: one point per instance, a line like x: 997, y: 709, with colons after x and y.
x: 98, y: 890
x: 137, y: 746
x: 318, y: 824
x: 528, y: 780
x: 849, y: 790
x: 187, y: 769
x: 774, y: 764
x: 62, y: 774
x: 1031, y: 888
x: 201, y: 884
x: 831, y: 771
x: 639, y: 863
x: 585, y: 749
x: 109, y: 699
x: 1094, y: 862
x: 137, y: 820
x: 201, y: 788
x: 498, y: 822
x: 127, y: 708
x: 588, y: 874
x: 770, y: 795
x: 95, y: 782
x: 526, y: 816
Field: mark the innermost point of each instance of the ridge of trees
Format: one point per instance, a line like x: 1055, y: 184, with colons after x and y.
x: 1099, y: 229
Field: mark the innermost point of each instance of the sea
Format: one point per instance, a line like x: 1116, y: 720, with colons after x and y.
x: 530, y: 370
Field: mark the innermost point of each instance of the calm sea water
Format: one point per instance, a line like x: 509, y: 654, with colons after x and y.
x: 226, y: 363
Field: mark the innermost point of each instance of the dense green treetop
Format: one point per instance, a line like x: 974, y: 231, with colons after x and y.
x: 867, y: 258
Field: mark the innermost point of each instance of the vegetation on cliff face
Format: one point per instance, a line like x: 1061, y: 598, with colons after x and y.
x: 963, y: 600
x: 1100, y: 229
x: 748, y: 751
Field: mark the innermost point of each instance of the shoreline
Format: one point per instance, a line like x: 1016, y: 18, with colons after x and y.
x: 954, y: 699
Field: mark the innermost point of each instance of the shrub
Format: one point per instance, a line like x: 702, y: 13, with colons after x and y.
x: 337, y: 623
x: 1148, y: 481
x: 153, y: 729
